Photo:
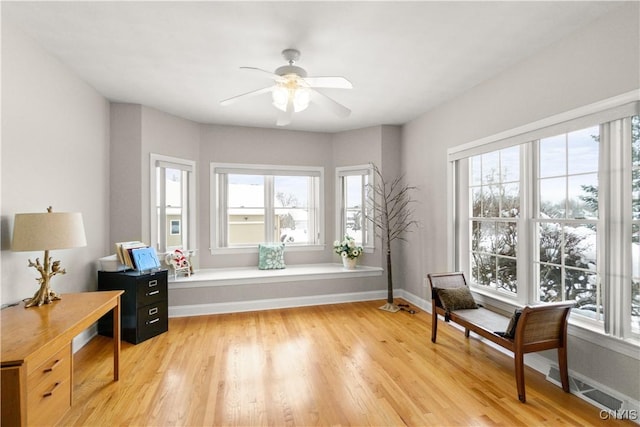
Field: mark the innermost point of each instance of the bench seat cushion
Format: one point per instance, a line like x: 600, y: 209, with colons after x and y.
x: 487, y: 319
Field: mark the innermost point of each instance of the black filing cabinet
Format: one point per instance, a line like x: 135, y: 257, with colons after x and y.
x: 144, y: 304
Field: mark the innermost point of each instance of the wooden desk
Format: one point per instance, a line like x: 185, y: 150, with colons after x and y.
x: 37, y: 359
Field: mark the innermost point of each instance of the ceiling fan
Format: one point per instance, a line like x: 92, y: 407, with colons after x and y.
x: 294, y: 90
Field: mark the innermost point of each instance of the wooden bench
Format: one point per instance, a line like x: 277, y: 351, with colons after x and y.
x: 541, y: 327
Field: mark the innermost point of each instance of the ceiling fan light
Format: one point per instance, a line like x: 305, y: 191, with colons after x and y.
x: 280, y: 97
x: 301, y: 99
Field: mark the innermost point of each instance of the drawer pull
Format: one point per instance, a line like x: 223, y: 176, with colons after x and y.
x: 153, y: 321
x: 52, y: 367
x: 153, y: 283
x: 50, y: 392
x: 152, y: 293
x: 153, y: 311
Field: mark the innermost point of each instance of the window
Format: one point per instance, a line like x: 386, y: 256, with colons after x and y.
x: 172, y: 203
x: 494, y: 191
x: 252, y: 204
x: 566, y: 221
x: 635, y: 225
x: 351, y: 200
x: 552, y: 213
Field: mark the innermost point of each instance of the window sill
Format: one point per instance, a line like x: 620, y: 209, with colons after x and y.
x: 495, y: 300
x: 209, y: 277
x: 254, y: 249
x: 578, y: 327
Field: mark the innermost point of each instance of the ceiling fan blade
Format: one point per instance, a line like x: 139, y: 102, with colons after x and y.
x: 328, y: 103
x: 246, y: 95
x: 329, y: 82
x: 271, y: 74
x: 284, y: 117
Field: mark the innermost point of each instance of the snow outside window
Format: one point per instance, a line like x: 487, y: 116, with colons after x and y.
x: 172, y: 203
x: 555, y: 217
x: 254, y: 204
x: 352, y: 183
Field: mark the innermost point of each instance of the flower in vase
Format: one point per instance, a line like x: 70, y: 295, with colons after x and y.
x: 347, y: 247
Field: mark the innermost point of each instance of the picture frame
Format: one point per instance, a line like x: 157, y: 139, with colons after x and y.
x: 175, y: 227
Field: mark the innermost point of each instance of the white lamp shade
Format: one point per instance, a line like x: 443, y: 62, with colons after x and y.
x: 47, y: 231
x: 280, y: 97
x: 301, y: 99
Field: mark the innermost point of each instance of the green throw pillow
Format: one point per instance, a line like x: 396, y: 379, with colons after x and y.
x: 456, y: 298
x: 271, y: 256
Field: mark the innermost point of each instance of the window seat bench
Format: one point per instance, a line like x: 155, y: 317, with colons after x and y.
x: 541, y: 327
x: 207, y: 277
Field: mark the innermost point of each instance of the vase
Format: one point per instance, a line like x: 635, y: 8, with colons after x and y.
x: 349, y: 263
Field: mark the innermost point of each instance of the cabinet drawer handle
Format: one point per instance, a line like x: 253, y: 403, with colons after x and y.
x: 152, y: 293
x: 52, y: 367
x: 153, y: 311
x: 153, y: 283
x: 50, y: 392
x: 153, y: 321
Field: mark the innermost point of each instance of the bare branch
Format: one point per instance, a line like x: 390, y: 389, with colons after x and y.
x: 389, y: 204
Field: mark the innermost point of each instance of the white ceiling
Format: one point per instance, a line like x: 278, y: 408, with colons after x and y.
x: 403, y: 58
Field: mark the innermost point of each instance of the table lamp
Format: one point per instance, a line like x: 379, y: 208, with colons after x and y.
x: 47, y: 231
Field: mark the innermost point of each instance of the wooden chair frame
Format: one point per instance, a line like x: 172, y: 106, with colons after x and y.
x: 540, y: 327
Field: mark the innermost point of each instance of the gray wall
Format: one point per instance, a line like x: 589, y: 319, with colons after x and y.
x: 55, y: 151
x: 125, y: 216
x: 138, y: 131
x: 595, y: 63
x: 231, y: 144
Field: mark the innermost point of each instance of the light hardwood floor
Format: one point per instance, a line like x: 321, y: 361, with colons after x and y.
x: 343, y: 364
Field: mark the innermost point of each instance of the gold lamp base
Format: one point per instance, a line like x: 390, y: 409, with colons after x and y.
x: 44, y: 295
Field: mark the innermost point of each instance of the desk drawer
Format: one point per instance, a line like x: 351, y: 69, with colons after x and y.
x: 49, y: 388
x: 52, y: 367
x: 48, y: 404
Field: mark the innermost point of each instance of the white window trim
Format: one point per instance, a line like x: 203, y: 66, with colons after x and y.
x: 358, y: 170
x: 162, y: 160
x: 598, y: 112
x: 215, y: 225
x: 575, y: 119
x: 523, y: 250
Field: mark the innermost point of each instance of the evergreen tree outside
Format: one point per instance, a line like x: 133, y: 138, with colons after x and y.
x: 566, y: 258
x: 496, y: 209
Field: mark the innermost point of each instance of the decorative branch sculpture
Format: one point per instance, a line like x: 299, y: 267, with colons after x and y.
x: 45, y: 295
x: 389, y: 210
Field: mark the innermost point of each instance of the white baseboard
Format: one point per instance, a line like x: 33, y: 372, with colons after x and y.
x: 273, y: 303
x: 84, y: 337
x: 421, y: 303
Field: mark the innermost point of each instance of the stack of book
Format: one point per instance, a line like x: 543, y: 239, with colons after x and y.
x: 137, y: 256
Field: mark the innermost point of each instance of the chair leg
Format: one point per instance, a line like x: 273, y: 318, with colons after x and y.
x: 562, y: 365
x: 466, y: 332
x: 518, y: 358
x: 434, y: 324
